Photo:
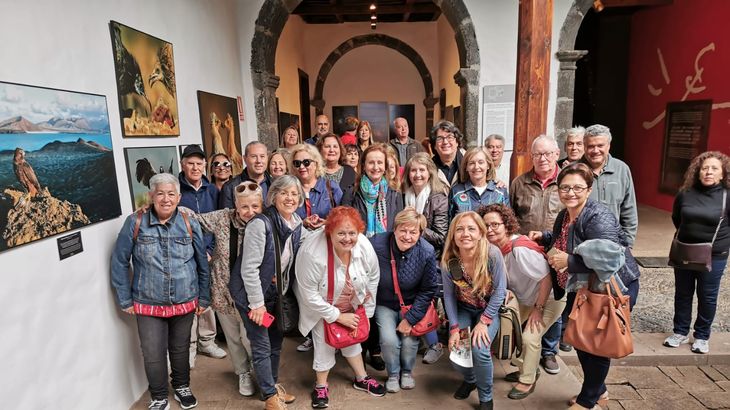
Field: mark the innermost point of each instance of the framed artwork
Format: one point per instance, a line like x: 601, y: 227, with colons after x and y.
x: 407, y: 111
x: 56, y: 163
x: 339, y: 113
x: 376, y: 113
x: 220, y: 128
x: 145, y: 74
x: 142, y: 164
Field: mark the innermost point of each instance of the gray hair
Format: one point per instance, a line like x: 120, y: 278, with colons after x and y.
x: 495, y: 137
x: 598, y: 130
x: 163, y: 179
x: 577, y: 131
x: 282, y: 183
x: 547, y: 138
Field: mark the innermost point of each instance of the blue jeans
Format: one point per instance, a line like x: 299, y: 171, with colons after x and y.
x: 265, y: 346
x: 708, y: 286
x: 482, y: 372
x: 595, y: 369
x: 159, y: 337
x: 399, y: 352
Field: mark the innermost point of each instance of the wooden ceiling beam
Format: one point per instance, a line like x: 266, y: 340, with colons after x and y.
x: 407, y: 14
x: 312, y: 10
x: 601, y: 4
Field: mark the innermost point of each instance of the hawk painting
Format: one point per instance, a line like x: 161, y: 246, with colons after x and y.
x: 25, y: 174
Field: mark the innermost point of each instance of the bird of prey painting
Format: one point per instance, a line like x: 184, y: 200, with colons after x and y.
x: 130, y: 82
x: 145, y: 171
x: 25, y: 174
x: 164, y: 69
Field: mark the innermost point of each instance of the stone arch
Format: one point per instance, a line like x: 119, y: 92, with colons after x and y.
x: 270, y: 23
x: 378, y: 40
x: 567, y: 56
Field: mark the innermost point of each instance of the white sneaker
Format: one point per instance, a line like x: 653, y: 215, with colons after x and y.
x: 245, y: 384
x: 212, y: 350
x: 675, y: 340
x: 392, y: 385
x: 306, y: 345
x: 701, y: 346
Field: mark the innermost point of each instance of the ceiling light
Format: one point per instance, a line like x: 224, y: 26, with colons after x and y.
x: 372, y: 6
x: 373, y: 25
x: 373, y: 17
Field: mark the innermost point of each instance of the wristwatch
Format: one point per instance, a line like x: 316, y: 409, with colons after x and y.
x: 540, y: 307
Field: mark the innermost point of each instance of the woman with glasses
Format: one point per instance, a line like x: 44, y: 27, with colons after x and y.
x: 260, y: 279
x: 585, y: 219
x: 228, y: 227
x: 342, y: 250
x: 278, y: 163
x: 528, y: 277
x: 474, y: 282
x: 290, y: 137
x: 478, y: 186
x: 220, y: 170
x: 335, y: 167
x: 320, y: 194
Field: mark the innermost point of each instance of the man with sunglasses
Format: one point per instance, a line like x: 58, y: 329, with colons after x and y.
x: 256, y: 157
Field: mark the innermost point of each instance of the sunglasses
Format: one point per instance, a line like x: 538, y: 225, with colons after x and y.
x: 224, y: 164
x: 244, y: 186
x: 298, y: 163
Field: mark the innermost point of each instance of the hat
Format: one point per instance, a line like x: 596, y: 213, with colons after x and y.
x: 193, y: 149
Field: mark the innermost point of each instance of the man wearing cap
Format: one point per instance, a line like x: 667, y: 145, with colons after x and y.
x: 255, y: 156
x: 200, y: 196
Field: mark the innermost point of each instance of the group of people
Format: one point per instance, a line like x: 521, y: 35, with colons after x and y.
x: 368, y: 249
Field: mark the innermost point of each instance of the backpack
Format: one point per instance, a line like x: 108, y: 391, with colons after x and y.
x: 509, y: 336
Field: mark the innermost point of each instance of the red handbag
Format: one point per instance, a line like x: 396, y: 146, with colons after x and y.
x: 336, y: 334
x: 430, y: 320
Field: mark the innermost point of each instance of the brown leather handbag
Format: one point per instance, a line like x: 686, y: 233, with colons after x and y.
x: 695, y: 256
x: 600, y: 323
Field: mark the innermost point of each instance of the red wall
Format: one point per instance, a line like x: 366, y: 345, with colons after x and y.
x: 680, y: 31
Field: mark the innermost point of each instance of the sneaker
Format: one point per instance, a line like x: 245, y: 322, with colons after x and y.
x: 392, y: 385
x: 213, y: 351
x: 675, y: 340
x: 159, y: 405
x: 370, y: 385
x: 320, y: 397
x: 407, y: 382
x: 245, y: 384
x: 306, y: 345
x: 185, y: 397
x: 486, y: 405
x: 283, y: 395
x: 376, y: 362
x: 463, y: 392
x: 550, y: 364
x: 701, y: 346
x: 433, y: 353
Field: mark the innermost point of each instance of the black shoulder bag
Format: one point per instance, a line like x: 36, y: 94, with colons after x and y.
x: 695, y: 256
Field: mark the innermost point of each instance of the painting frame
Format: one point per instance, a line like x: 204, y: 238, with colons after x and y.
x: 146, y: 83
x: 63, y: 134
x: 221, y: 107
x: 136, y: 174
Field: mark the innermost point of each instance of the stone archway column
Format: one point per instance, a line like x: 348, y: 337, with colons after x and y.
x: 318, y: 105
x: 429, y: 102
x: 468, y: 81
x: 267, y: 115
x: 566, y: 91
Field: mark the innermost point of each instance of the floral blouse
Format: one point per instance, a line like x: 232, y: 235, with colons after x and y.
x: 561, y: 243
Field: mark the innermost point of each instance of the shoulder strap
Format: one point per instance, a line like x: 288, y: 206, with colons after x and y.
x: 187, y: 224
x: 330, y: 272
x: 137, y: 223
x: 722, y: 215
x: 232, y: 244
x: 395, y: 277
x: 328, y: 183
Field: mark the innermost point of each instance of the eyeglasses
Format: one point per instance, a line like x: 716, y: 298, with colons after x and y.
x: 298, y: 163
x: 443, y: 138
x: 576, y: 188
x: 547, y: 155
x: 242, y: 187
x: 494, y: 225
x: 224, y: 164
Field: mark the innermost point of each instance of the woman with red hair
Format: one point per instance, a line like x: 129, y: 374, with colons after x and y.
x: 356, y: 274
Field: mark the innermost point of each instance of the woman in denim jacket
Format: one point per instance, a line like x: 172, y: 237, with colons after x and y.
x: 478, y: 185
x: 170, y: 283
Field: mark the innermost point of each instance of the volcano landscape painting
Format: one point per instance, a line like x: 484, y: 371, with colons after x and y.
x: 57, y: 168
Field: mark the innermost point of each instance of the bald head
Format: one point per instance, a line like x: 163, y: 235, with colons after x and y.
x: 401, y: 129
x: 322, y: 125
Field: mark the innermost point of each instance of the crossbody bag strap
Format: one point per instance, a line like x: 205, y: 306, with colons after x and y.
x: 233, y: 244
x: 330, y: 272
x: 722, y: 215
x: 395, y: 278
x: 137, y: 224
x: 328, y: 184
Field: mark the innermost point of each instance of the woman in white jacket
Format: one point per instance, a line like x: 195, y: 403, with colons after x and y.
x: 356, y: 276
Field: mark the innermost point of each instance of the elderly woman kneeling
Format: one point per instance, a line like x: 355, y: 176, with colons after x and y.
x: 356, y: 274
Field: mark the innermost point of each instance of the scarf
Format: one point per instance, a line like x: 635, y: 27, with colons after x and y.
x: 522, y: 240
x: 418, y: 201
x: 374, y: 198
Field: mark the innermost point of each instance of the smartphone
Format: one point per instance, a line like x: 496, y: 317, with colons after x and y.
x: 268, y: 320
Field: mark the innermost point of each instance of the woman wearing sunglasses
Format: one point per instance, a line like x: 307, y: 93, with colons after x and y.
x: 320, y: 194
x: 220, y: 170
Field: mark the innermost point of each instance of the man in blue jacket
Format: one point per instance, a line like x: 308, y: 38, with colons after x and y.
x: 201, y: 196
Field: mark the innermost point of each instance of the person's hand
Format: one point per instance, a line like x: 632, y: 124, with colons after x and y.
x: 508, y: 297
x: 535, y: 236
x: 404, y: 327
x: 257, y: 315
x: 313, y: 221
x: 534, y: 321
x: 199, y: 310
x: 480, y: 336
x: 187, y: 211
x: 228, y: 124
x: 129, y: 310
x: 349, y: 320
x: 558, y: 260
x: 453, y: 340
x: 500, y: 183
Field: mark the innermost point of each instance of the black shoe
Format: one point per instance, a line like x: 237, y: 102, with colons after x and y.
x: 463, y: 392
x: 320, y: 397
x: 486, y: 405
x: 565, y: 346
x: 370, y: 385
x: 514, y: 377
x: 376, y: 362
x: 185, y: 397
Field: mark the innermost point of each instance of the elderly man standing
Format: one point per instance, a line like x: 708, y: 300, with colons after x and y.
x: 445, y: 141
x: 199, y: 195
x: 404, y: 145
x: 573, y: 146
x: 495, y: 146
x: 536, y: 202
x: 322, y: 123
x: 255, y: 156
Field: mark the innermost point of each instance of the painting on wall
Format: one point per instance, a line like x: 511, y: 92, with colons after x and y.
x: 145, y: 77
x: 56, y: 163
x: 339, y: 113
x: 376, y: 113
x: 407, y: 111
x: 220, y: 130
x: 142, y: 164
